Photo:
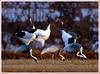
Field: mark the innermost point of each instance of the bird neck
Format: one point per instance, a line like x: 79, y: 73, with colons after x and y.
x: 67, y: 44
x: 32, y: 23
x: 66, y: 34
x: 62, y: 28
x: 48, y: 28
x: 62, y: 24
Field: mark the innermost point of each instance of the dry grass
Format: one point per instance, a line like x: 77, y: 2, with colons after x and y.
x: 18, y: 62
x: 28, y: 65
x: 10, y: 55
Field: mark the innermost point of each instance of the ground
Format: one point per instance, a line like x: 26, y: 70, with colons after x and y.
x: 49, y: 65
x: 18, y: 62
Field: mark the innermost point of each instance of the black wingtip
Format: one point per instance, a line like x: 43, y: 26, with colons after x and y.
x: 18, y: 33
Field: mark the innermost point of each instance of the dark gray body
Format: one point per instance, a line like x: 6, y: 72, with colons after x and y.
x: 72, y: 47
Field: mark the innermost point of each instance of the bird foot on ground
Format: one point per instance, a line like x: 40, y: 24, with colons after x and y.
x: 63, y: 59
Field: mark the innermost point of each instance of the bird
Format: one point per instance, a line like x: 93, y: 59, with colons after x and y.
x: 66, y: 35
x: 26, y: 37
x: 33, y: 34
x: 41, y: 35
x: 95, y: 43
x: 75, y: 48
x: 70, y: 44
x: 95, y: 47
x: 94, y: 38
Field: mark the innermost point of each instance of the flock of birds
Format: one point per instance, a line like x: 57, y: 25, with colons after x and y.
x: 69, y: 39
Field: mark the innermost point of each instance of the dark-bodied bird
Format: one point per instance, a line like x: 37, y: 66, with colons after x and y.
x: 70, y: 43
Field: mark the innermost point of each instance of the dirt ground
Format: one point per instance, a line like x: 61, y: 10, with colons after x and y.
x: 49, y: 65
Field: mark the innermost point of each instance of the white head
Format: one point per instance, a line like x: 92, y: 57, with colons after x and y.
x: 33, y: 27
x: 30, y: 20
x: 62, y: 22
x: 74, y: 40
x: 62, y: 25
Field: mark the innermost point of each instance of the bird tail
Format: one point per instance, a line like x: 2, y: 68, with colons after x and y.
x: 44, y: 51
x: 48, y: 26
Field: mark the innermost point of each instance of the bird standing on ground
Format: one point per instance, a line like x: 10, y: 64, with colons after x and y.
x: 26, y: 37
x: 95, y: 43
x: 65, y: 36
x: 70, y: 44
x: 71, y: 36
x: 34, y: 34
x: 95, y: 47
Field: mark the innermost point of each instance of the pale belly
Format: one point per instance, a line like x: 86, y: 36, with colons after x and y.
x: 44, y: 37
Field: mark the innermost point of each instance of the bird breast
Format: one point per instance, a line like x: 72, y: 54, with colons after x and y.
x: 43, y: 34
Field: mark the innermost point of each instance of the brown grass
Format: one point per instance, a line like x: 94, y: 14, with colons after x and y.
x: 10, y: 55
x: 18, y: 62
x: 47, y: 65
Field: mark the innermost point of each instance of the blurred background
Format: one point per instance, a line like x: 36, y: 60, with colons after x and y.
x: 78, y: 17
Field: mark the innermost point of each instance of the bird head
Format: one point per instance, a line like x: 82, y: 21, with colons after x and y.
x: 30, y: 20
x: 62, y: 22
x: 33, y: 27
x: 61, y: 26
